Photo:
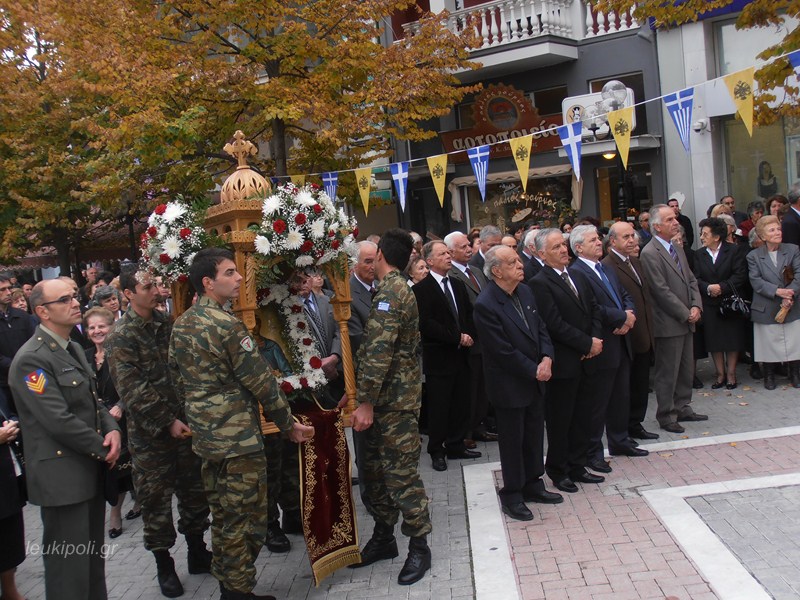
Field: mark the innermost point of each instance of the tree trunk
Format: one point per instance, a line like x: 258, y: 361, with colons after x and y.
x: 61, y: 244
x: 278, y: 147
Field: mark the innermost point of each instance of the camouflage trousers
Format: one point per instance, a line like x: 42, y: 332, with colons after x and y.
x: 283, y: 475
x: 237, y: 493
x: 161, y: 468
x: 390, y: 471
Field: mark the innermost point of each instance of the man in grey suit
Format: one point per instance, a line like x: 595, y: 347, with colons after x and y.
x: 676, y: 309
x: 69, y: 440
x: 362, y: 288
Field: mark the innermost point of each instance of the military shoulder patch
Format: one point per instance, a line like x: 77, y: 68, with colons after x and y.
x: 247, y: 343
x: 383, y: 306
x: 36, y: 382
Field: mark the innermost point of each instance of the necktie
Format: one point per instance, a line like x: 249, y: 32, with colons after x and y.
x: 568, y: 281
x: 472, y: 278
x: 450, y: 300
x: 674, y: 256
x: 632, y: 270
x: 311, y: 309
x: 608, y: 285
x: 518, y: 306
x: 372, y: 291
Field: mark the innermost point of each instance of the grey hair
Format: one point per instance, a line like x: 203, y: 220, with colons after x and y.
x: 794, y: 192
x: 752, y: 237
x: 530, y: 238
x: 754, y: 206
x: 104, y: 292
x: 364, y: 244
x: 450, y: 238
x: 491, y: 260
x: 655, y: 213
x: 729, y: 220
x: 542, y: 235
x: 489, y: 231
x: 578, y: 235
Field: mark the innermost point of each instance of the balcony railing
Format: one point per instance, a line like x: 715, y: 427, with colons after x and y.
x: 599, y: 23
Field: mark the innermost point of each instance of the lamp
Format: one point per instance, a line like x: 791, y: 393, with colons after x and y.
x: 609, y: 155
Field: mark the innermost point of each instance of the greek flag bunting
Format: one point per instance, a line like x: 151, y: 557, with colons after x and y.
x: 794, y: 58
x: 400, y: 177
x: 679, y: 106
x: 571, y: 139
x: 479, y: 159
x: 330, y: 181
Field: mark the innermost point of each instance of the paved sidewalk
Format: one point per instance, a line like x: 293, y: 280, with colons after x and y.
x: 631, y: 554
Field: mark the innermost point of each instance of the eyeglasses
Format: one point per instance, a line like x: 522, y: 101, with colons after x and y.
x: 62, y: 300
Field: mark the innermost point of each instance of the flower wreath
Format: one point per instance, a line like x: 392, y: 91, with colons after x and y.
x: 296, y: 330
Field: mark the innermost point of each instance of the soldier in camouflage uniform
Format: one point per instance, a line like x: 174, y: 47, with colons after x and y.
x: 163, y: 461
x: 223, y: 379
x: 389, y: 387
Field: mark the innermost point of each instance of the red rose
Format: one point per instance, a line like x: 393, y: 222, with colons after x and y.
x: 304, y: 382
x: 160, y: 209
x: 152, y: 231
x: 143, y: 240
x: 307, y: 246
x: 317, y: 209
x: 335, y: 244
x: 315, y: 186
x: 307, y: 341
x: 279, y: 226
x: 287, y: 387
x: 331, y: 233
x: 185, y: 233
x: 315, y: 362
x: 301, y: 325
x: 355, y: 232
x: 183, y: 278
x: 165, y: 259
x: 300, y: 218
x: 296, y: 308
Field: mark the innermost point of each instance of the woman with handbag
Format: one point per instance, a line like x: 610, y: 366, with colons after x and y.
x: 98, y: 322
x: 12, y: 499
x: 721, y: 271
x: 773, y: 270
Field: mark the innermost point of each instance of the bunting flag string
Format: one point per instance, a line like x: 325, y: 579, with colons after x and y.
x: 437, y: 165
x: 571, y: 139
x: 479, y: 159
x: 740, y: 87
x: 400, y: 177
x: 364, y: 182
x: 620, y: 123
x: 330, y: 181
x: 521, y: 151
x: 298, y: 180
x: 679, y: 106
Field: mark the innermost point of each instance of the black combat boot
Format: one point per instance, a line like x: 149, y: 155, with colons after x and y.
x: 794, y: 373
x: 276, y: 540
x: 769, y: 376
x: 231, y: 595
x: 292, y: 522
x: 381, y: 546
x: 167, y: 577
x: 199, y: 557
x: 417, y: 563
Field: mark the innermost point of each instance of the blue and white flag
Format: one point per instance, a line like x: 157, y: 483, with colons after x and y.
x: 330, y: 181
x: 794, y: 58
x: 571, y: 139
x: 400, y: 177
x: 679, y: 106
x: 479, y: 159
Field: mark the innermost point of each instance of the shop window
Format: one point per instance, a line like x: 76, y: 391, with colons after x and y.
x: 548, y: 102
x: 637, y: 189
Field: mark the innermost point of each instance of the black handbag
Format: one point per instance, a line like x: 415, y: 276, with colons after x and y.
x: 733, y: 306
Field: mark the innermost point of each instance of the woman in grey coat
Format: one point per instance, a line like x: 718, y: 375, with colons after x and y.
x: 774, y: 271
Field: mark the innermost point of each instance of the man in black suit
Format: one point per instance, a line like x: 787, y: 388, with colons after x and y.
x: 519, y: 357
x: 610, y: 402
x: 17, y: 327
x: 622, y: 259
x: 445, y: 322
x: 531, y: 263
x: 730, y: 202
x: 474, y: 280
x: 790, y: 226
x: 570, y: 313
x: 490, y: 236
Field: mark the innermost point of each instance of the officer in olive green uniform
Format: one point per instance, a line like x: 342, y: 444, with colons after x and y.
x: 389, y: 387
x: 223, y: 379
x: 163, y: 461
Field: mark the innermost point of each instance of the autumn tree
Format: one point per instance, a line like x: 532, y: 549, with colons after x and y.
x: 758, y: 13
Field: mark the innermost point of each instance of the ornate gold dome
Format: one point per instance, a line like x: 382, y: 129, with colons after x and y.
x: 244, y: 183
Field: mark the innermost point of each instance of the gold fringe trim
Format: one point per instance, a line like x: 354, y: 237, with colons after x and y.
x: 327, y: 565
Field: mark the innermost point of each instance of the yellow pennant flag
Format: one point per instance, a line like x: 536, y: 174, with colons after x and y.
x: 363, y: 181
x: 740, y: 87
x: 620, y: 123
x: 298, y: 180
x: 521, y: 151
x: 437, y: 165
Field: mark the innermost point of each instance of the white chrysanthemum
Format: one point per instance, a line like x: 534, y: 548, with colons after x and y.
x: 151, y: 220
x: 279, y: 292
x: 174, y: 210
x: 333, y: 226
x: 342, y: 215
x: 172, y: 247
x: 271, y: 204
x: 262, y: 245
x: 294, y: 239
x: 162, y: 230
x: 304, y: 261
x: 317, y: 229
x: 190, y: 258
x: 304, y: 198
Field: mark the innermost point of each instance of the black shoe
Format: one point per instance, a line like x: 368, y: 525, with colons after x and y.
x: 717, y: 385
x: 276, y: 540
x: 543, y: 497
x: 439, y: 463
x: 600, y: 466
x: 769, y: 376
x: 381, y: 546
x: 630, y: 451
x: 133, y: 514
x: 641, y: 433
x: 696, y: 383
x: 115, y: 532
x: 673, y: 428
x: 587, y: 477
x: 464, y: 454
x: 485, y: 436
x: 165, y: 573
x: 231, y: 595
x: 731, y: 386
x: 566, y: 485
x: 418, y: 561
x: 518, y: 511
x: 292, y: 523
x: 199, y: 557
x: 693, y: 417
x: 755, y: 371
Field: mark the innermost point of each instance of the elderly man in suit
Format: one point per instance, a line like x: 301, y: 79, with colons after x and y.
x: 518, y: 361
x: 676, y: 309
x: 531, y: 263
x: 489, y: 236
x: 445, y: 322
x: 737, y: 215
x: 362, y: 288
x: 570, y: 312
x: 474, y: 280
x: 790, y: 226
x: 622, y: 260
x: 70, y: 440
x: 610, y: 405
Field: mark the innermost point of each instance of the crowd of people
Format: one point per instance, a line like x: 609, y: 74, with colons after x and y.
x: 490, y: 335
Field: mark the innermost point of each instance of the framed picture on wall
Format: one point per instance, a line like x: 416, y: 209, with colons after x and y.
x: 793, y: 158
